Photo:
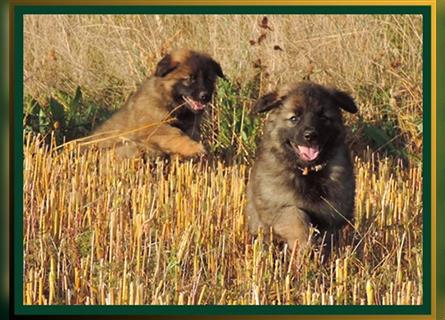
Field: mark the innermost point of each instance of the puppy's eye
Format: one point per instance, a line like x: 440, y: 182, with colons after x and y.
x: 190, y: 78
x: 294, y: 119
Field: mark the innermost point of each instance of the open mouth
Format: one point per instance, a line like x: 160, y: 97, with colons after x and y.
x: 306, y: 153
x: 195, y: 105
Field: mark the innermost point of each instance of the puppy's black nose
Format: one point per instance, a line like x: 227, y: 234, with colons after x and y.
x: 204, y: 96
x: 310, y: 134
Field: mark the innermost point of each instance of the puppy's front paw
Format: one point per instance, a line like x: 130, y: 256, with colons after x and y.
x: 193, y: 150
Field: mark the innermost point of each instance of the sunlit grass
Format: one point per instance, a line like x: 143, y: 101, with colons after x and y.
x: 102, y: 231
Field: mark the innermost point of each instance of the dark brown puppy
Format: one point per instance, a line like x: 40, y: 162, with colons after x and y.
x: 303, y: 174
x: 163, y: 115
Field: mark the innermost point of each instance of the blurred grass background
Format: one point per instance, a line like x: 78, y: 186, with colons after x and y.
x: 79, y: 69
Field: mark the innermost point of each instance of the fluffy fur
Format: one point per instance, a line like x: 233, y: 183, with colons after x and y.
x: 303, y: 174
x: 163, y: 116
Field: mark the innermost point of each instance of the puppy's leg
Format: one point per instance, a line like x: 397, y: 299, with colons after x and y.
x: 127, y: 150
x: 328, y: 241
x: 253, y: 220
x: 292, y: 224
x: 172, y: 140
x: 194, y: 130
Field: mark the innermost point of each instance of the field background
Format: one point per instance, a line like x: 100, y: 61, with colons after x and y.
x: 99, y: 231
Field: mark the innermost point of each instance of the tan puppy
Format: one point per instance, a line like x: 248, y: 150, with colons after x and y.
x: 163, y: 115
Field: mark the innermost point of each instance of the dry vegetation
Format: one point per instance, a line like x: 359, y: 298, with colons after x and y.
x: 102, y: 231
x: 98, y: 231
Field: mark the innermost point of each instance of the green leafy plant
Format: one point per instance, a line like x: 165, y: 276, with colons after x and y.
x: 66, y: 116
x: 231, y: 131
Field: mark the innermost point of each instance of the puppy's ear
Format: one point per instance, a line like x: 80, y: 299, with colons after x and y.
x: 218, y: 70
x: 344, y: 100
x: 267, y: 102
x: 165, y: 66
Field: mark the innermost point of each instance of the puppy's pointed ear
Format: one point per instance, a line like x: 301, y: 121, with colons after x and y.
x: 344, y: 100
x: 267, y: 102
x: 218, y: 70
x: 165, y: 66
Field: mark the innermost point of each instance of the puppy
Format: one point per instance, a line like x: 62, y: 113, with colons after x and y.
x: 303, y: 174
x: 163, y: 116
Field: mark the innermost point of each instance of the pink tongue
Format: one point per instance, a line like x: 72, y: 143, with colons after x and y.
x: 198, y: 105
x: 308, y: 153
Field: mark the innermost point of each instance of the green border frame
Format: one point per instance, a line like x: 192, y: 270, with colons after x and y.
x: 440, y: 169
x: 17, y: 155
